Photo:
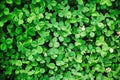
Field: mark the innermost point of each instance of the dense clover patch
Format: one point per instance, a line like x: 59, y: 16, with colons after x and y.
x: 59, y: 40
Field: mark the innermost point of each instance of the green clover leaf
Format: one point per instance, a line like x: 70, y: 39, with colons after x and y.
x: 60, y: 63
x: 18, y: 63
x: 9, y: 41
x: 51, y: 65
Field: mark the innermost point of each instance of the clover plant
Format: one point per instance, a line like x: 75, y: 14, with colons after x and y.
x: 60, y: 40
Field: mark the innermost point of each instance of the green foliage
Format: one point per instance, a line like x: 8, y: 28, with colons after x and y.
x: 59, y: 40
